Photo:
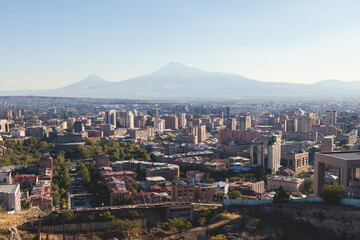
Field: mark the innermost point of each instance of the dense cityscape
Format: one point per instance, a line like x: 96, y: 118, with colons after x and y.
x: 174, y: 167
x: 179, y: 120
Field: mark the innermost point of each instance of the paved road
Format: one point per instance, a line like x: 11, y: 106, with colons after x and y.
x: 78, y: 194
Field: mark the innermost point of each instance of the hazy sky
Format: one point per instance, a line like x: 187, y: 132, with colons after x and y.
x: 50, y: 44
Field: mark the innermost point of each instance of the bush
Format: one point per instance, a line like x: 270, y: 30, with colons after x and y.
x: 218, y: 237
x: 175, y: 225
x: 124, y: 200
x: 125, y: 224
x: 25, y: 205
x: 281, y: 196
x: 235, y: 194
x: 332, y: 194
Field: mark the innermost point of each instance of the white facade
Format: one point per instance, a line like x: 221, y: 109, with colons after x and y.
x: 129, y: 120
x: 11, y: 196
x: 110, y: 117
x: 182, y: 120
x: 159, y: 125
x: 5, y: 177
x: 267, y: 153
x: 4, y: 125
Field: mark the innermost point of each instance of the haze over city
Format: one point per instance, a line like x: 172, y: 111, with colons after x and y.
x: 51, y: 44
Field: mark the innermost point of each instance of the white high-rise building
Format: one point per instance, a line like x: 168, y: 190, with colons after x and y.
x: 267, y: 153
x: 129, y: 120
x: 182, y: 120
x: 4, y: 125
x: 159, y: 124
x: 110, y: 117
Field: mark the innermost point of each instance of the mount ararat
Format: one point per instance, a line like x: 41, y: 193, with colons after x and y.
x: 178, y: 81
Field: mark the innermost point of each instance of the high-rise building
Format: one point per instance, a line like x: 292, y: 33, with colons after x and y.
x: 182, y: 120
x: 292, y: 125
x: 201, y: 133
x: 121, y: 118
x: 4, y: 125
x: 129, y: 120
x: 305, y: 123
x: 244, y: 122
x: 267, y: 153
x: 159, y: 125
x: 231, y: 123
x: 110, y: 117
x: 227, y: 111
x: 331, y: 117
x: 79, y: 127
x: 140, y: 121
x: 154, y: 112
x: 171, y: 122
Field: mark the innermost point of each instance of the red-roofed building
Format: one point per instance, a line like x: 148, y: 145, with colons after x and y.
x: 45, y: 174
x: 145, y: 197
x: 40, y: 196
x: 25, y: 180
x: 118, y: 174
x: 116, y: 188
x: 46, y: 161
x: 249, y: 189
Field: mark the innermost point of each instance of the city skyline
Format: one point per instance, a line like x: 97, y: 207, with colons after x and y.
x: 50, y: 45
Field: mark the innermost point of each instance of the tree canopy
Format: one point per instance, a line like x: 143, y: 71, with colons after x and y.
x: 332, y: 193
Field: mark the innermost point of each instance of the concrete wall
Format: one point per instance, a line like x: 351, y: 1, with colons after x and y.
x: 232, y: 202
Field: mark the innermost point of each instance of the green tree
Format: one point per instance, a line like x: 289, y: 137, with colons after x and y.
x: 84, y: 173
x: 218, y: 237
x: 209, y: 180
x: 124, y: 200
x: 308, y: 186
x: 175, y: 225
x: 125, y: 224
x: 236, y: 194
x: 281, y: 196
x: 332, y: 194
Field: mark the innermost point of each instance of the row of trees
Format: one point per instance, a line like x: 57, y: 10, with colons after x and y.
x: 331, y: 194
x: 116, y: 150
x: 61, y: 182
x: 91, y: 178
x: 26, y: 152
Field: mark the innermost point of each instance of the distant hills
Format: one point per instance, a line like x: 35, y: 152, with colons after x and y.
x: 178, y: 81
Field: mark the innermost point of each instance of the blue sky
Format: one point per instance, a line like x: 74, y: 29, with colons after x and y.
x: 50, y: 44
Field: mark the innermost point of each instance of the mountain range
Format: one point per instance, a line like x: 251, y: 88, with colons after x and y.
x: 178, y: 81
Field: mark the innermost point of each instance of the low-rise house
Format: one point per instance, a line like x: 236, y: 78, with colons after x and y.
x: 289, y: 184
x: 145, y: 198
x: 116, y: 188
x: 26, y: 181
x: 249, y: 189
x: 222, y: 187
x: 182, y: 192
x: 10, y: 195
x: 205, y: 192
x: 40, y: 195
x: 5, y: 177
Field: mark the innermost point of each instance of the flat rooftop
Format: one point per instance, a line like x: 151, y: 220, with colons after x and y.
x: 8, y: 188
x: 348, y: 156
